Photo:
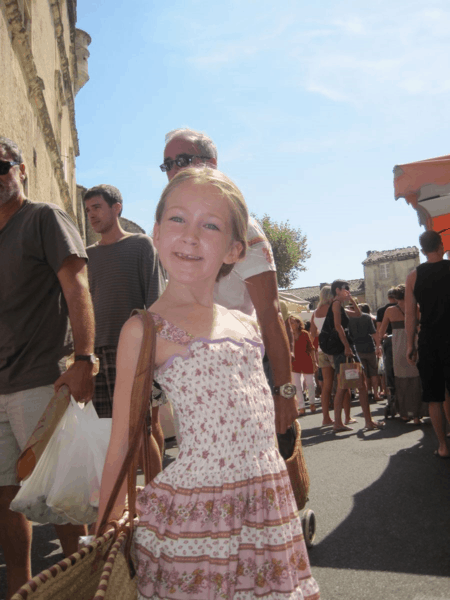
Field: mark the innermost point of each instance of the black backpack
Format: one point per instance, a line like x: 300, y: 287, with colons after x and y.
x: 329, y: 340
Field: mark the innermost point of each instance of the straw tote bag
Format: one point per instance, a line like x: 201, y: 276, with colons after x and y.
x: 103, y: 570
x: 298, y: 473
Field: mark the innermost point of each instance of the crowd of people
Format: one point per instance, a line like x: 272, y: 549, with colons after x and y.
x: 208, y: 278
x: 386, y: 346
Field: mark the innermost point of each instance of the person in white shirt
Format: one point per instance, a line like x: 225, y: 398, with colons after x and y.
x: 252, y: 285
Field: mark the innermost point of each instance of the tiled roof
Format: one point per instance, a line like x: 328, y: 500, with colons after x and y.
x: 131, y: 226
x: 374, y: 256
x: 312, y: 293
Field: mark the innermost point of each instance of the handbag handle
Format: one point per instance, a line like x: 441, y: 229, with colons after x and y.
x: 139, y: 409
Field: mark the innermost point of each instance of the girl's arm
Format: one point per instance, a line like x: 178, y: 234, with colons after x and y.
x: 127, y: 358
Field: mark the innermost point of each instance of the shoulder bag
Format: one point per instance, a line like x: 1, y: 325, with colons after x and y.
x: 329, y: 340
x: 103, y: 569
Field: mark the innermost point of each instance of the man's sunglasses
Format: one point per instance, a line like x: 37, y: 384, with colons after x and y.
x: 5, y: 166
x: 182, y: 160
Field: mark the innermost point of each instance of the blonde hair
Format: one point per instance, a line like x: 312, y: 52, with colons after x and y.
x: 238, y: 209
x: 325, y: 295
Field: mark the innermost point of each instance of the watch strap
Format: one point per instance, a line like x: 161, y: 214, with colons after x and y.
x: 87, y: 357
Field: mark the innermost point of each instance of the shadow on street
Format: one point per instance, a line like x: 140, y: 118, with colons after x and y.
x: 400, y: 523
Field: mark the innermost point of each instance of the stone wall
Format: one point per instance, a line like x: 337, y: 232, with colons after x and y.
x: 380, y: 276
x: 37, y: 91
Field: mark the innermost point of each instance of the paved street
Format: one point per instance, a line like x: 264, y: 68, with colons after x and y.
x: 382, y: 504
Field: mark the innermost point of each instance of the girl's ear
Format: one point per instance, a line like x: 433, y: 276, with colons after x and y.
x: 156, y: 234
x: 234, y: 253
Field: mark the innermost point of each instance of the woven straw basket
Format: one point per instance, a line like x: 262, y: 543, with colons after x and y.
x: 85, y: 575
x: 298, y: 473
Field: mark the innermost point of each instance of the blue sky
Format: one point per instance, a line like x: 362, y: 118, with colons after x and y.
x: 310, y: 108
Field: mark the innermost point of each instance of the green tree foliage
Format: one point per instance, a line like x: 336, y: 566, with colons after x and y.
x: 289, y: 246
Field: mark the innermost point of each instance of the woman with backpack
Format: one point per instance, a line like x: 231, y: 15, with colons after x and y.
x: 335, y: 340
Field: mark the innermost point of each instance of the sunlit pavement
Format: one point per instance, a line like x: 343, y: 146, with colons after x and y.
x: 382, y: 505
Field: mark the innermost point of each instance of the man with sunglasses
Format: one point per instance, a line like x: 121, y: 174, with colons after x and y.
x: 43, y: 285
x: 252, y: 285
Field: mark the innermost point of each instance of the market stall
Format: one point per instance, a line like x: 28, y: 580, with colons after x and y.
x: 426, y: 186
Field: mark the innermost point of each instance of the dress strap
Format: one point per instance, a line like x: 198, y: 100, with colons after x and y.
x: 171, y: 332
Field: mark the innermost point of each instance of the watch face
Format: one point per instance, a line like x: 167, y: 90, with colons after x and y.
x: 288, y: 390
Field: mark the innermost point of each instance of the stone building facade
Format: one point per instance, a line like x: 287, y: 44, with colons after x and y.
x: 44, y: 65
x: 386, y: 269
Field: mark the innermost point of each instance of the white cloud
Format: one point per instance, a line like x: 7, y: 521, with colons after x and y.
x: 352, y: 52
x: 328, y: 92
x: 404, y: 52
x: 353, y: 25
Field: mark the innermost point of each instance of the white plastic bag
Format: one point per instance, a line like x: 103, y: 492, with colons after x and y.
x: 65, y: 484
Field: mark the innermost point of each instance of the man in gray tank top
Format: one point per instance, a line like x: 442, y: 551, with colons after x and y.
x: 429, y: 287
x: 124, y: 274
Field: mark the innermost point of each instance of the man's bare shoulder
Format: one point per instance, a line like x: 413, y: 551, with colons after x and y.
x: 411, y: 279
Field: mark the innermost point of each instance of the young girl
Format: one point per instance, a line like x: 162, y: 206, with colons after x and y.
x: 220, y: 521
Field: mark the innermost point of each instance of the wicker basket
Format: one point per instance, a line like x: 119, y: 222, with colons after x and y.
x: 86, y: 574
x: 298, y: 473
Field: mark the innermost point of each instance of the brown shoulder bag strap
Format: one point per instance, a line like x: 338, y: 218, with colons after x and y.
x: 138, y: 435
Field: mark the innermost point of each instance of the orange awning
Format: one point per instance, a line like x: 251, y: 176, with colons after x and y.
x: 426, y: 186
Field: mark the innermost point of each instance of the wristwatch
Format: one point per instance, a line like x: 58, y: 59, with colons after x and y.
x: 287, y: 390
x: 91, y: 358
x: 87, y: 357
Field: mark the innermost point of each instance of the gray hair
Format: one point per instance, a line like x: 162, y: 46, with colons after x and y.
x: 201, y: 141
x: 11, y: 148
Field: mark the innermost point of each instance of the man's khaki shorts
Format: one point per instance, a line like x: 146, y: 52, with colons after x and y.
x: 324, y: 360
x: 19, y: 414
x: 369, y: 363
